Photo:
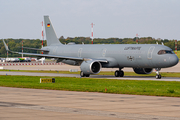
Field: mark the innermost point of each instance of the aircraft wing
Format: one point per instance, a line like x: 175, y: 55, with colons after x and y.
x: 34, y: 49
x: 63, y: 57
x: 55, y: 56
x: 52, y: 56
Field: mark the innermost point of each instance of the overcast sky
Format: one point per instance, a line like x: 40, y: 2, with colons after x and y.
x: 72, y: 18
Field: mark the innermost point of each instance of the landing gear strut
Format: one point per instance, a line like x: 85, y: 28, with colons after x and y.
x: 84, y: 75
x: 158, y: 76
x: 119, y: 73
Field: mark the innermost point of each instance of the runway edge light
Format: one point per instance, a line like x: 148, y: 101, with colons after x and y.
x: 47, y: 80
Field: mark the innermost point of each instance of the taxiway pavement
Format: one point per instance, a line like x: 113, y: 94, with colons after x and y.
x: 36, y: 104
x: 20, y: 103
x: 91, y: 76
x: 68, y: 67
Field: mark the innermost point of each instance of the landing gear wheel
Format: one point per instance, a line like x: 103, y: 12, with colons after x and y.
x: 121, y: 73
x: 158, y: 76
x: 116, y: 73
x: 82, y: 74
x: 87, y: 75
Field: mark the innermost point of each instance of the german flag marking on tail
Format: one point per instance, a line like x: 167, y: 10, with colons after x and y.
x: 48, y: 25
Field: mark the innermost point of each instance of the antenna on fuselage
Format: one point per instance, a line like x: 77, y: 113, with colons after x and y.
x: 162, y: 43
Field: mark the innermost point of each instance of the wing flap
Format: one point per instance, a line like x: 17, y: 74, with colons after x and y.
x: 34, y: 49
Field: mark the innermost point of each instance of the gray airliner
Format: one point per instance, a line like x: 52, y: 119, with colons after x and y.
x: 143, y: 58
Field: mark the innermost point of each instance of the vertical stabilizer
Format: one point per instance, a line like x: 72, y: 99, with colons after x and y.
x: 51, y: 36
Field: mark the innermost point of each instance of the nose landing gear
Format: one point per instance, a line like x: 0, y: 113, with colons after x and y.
x: 158, y: 76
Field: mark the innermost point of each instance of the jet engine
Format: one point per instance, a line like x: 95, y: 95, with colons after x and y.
x: 90, y: 67
x: 143, y: 70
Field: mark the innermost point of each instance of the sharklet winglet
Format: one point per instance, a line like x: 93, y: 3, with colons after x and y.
x: 6, y: 47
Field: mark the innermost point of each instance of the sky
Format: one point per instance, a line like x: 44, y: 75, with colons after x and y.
x: 72, y: 18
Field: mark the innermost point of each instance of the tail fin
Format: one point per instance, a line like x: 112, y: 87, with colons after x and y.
x: 50, y: 33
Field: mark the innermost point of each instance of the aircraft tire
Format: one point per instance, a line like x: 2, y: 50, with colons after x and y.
x: 87, y: 75
x: 82, y: 74
x: 158, y: 76
x: 116, y: 73
x: 121, y: 73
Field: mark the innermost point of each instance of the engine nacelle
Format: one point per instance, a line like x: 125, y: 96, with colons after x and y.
x: 91, y: 67
x: 143, y: 70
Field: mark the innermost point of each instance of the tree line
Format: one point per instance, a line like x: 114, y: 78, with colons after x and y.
x: 16, y: 44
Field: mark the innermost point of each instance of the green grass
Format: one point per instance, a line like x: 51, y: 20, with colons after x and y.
x: 178, y: 54
x: 42, y: 71
x: 134, y: 87
x: 163, y: 74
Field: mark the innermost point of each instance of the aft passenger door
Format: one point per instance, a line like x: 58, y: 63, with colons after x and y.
x: 104, y: 52
x: 149, y: 55
x: 79, y: 52
x: 150, y: 51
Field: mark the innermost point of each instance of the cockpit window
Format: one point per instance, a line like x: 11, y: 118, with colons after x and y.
x: 165, y: 52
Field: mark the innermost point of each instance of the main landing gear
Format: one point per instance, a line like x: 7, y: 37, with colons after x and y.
x: 84, y: 75
x: 158, y: 76
x: 119, y: 73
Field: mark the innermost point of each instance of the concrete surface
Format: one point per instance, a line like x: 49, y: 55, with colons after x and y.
x: 68, y: 67
x: 91, y: 76
x: 28, y: 104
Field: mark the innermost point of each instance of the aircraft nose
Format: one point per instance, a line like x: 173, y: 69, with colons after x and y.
x: 173, y: 60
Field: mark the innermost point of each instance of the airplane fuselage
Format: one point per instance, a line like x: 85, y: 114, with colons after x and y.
x: 119, y: 55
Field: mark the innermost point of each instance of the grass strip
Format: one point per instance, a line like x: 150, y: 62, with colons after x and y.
x: 178, y: 54
x: 134, y: 87
x: 163, y: 74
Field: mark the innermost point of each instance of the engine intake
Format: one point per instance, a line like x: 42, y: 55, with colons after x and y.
x: 90, y: 67
x: 143, y: 70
